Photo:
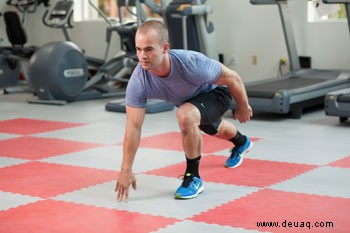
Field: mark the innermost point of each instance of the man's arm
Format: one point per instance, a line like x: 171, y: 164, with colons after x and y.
x: 135, y: 118
x: 234, y: 83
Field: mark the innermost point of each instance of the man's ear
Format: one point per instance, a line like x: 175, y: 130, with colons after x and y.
x: 166, y: 47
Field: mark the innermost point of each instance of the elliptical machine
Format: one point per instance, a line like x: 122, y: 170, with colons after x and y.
x: 59, y: 70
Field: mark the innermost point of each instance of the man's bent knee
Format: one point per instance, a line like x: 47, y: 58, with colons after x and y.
x: 188, y: 114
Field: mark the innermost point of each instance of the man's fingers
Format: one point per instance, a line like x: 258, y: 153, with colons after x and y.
x: 134, y: 185
x: 123, y: 185
x: 120, y: 193
x: 242, y: 118
x: 126, y: 195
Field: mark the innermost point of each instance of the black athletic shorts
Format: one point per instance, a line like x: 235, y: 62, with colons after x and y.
x: 212, y: 106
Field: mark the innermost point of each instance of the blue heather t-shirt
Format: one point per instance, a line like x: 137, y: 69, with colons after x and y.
x: 191, y: 73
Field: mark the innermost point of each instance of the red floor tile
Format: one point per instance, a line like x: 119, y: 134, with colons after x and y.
x: 172, y: 141
x: 48, y: 180
x: 61, y: 217
x: 282, y: 207
x: 32, y: 148
x: 25, y: 126
x: 343, y: 163
x: 252, y: 172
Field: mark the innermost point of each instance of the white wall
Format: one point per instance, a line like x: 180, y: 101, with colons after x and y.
x: 242, y: 29
x: 247, y: 30
x: 329, y: 45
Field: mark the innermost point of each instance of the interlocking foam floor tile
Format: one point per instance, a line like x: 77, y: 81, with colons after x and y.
x: 110, y: 158
x: 11, y: 200
x: 282, y: 207
x: 325, y: 180
x: 6, y: 161
x: 200, y: 227
x: 252, y: 172
x: 32, y: 148
x: 61, y: 217
x: 97, y: 132
x: 344, y: 163
x: 4, y: 136
x: 48, y: 180
x: 26, y: 126
x: 173, y: 141
x: 155, y: 196
x: 287, y: 149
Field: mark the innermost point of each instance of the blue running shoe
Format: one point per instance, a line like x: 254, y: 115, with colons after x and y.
x: 191, y: 186
x: 236, y: 157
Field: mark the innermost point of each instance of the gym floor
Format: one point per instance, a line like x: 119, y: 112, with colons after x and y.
x: 58, y: 166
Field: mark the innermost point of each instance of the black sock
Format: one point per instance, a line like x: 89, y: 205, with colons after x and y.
x: 192, y: 166
x: 238, y: 140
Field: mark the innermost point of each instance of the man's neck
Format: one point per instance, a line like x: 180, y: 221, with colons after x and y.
x: 163, y: 70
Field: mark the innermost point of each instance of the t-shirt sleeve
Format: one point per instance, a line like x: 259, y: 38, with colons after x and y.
x: 135, y: 92
x: 202, y: 69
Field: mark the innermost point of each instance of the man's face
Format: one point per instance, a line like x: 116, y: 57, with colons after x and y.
x: 149, y: 49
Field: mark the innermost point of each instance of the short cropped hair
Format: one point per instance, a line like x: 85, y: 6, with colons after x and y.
x: 158, y: 26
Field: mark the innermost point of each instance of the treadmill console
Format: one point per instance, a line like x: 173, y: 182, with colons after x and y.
x: 257, y: 2
x: 60, y: 15
x: 336, y: 1
x: 61, y: 10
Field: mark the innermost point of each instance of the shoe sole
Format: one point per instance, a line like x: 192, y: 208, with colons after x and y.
x: 200, y: 190
x: 246, y: 152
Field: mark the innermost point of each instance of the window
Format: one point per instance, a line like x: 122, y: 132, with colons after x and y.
x: 84, y: 11
x: 318, y: 11
x: 108, y: 7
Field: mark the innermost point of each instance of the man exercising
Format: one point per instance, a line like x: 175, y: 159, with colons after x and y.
x: 201, y: 87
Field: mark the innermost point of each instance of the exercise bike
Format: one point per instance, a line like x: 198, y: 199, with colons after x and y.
x: 13, y: 71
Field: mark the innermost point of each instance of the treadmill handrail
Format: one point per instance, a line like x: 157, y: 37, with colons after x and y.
x: 265, y: 2
x: 336, y: 1
x: 287, y: 26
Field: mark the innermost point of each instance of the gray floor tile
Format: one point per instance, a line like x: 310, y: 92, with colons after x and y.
x: 110, y: 158
x: 11, y: 200
x: 328, y: 181
x: 198, y: 227
x: 6, y: 161
x: 154, y: 196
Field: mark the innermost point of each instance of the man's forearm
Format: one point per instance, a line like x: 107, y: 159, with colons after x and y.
x: 235, y: 85
x: 130, y: 145
x: 239, y: 93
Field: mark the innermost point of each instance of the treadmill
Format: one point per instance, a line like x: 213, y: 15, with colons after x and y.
x: 299, y: 88
x: 337, y: 103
